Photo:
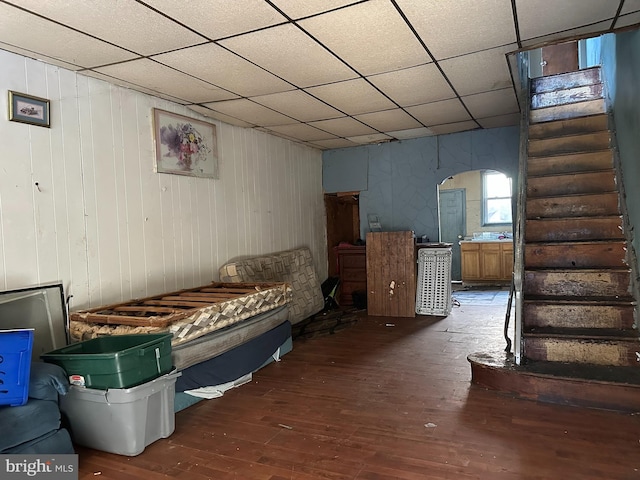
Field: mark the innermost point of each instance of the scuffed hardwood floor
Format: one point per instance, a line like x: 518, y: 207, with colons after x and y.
x: 384, y: 399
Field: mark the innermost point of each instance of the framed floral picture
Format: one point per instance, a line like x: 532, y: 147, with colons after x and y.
x: 28, y: 109
x: 184, y: 145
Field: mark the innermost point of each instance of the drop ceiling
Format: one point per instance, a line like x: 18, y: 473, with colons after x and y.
x: 326, y: 73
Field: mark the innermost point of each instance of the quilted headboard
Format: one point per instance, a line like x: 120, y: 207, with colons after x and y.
x: 292, y: 266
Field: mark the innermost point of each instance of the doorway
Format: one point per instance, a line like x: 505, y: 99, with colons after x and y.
x: 452, y: 212
x: 343, y: 223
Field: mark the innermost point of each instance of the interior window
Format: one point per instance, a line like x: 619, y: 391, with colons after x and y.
x: 496, y: 198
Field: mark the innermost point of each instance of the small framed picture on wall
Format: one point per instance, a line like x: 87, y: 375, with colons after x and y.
x: 25, y: 108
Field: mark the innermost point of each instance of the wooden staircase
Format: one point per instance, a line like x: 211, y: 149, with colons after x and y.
x: 578, y: 307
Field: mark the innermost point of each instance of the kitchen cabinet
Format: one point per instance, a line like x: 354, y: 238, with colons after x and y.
x: 352, y: 268
x: 391, y: 274
x: 487, y: 262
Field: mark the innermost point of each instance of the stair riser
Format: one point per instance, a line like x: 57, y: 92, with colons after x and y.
x: 570, y: 144
x: 541, y: 315
x: 577, y: 283
x: 621, y: 353
x: 575, y: 255
x: 574, y: 229
x: 572, y: 184
x: 563, y: 112
x: 566, y: 96
x: 574, y: 206
x: 566, y: 80
x: 574, y: 163
x: 574, y: 126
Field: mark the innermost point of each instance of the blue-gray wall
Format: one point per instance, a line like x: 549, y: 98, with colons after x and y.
x: 626, y: 111
x: 402, y: 177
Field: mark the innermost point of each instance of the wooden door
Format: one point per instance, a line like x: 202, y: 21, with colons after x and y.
x: 561, y: 58
x: 491, y: 261
x: 391, y: 274
x: 343, y: 224
x: 452, y: 211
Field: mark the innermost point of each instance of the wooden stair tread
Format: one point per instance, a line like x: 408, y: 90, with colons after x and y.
x: 598, y: 334
x: 602, y: 151
x: 582, y: 300
x: 562, y: 81
x: 572, y: 126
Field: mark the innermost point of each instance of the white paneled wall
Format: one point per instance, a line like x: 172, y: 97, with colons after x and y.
x: 101, y: 221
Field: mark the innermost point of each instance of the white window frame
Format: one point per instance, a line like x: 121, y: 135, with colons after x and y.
x: 486, y: 198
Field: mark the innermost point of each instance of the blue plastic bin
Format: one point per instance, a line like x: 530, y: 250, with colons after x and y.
x: 15, y: 365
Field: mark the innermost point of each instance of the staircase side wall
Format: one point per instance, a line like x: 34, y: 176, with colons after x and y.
x: 626, y: 112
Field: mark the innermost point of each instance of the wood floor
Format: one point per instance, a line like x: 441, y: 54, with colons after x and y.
x: 386, y: 398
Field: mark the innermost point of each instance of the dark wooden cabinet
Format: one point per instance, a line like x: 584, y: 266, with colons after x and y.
x: 352, y: 267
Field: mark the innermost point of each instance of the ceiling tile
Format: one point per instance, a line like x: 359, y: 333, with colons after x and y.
x: 596, y: 28
x: 361, y: 35
x: 291, y: 54
x: 343, y: 127
x: 490, y: 104
x: 455, y: 28
x: 500, y: 121
x: 132, y: 26
x: 297, y: 9
x: 352, y: 97
x: 218, y: 19
x: 250, y: 112
x: 539, y: 18
x: 411, y: 133
x: 479, y: 72
x: 299, y: 105
x: 36, y: 34
x: 207, y: 112
x: 38, y: 56
x: 216, y: 65
x: 138, y: 88
x: 627, y: 20
x: 436, y: 113
x: 152, y: 75
x: 630, y: 6
x: 395, y: 119
x: 413, y: 86
x: 302, y: 132
x: 335, y: 143
x: 373, y: 138
x: 453, y: 127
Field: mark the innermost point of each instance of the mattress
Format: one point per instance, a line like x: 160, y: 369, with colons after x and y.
x: 187, y: 314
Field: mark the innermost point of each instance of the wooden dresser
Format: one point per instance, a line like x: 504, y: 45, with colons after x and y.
x: 352, y: 269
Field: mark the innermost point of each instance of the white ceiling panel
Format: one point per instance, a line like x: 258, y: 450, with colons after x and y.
x: 630, y: 6
x: 152, y: 75
x: 436, y: 113
x: 299, y: 105
x: 500, y: 121
x: 454, y: 28
x: 297, y: 9
x: 216, y: 65
x: 453, y: 127
x: 479, y: 72
x: 412, y: 86
x: 291, y: 54
x: 489, y: 104
x: 411, y: 133
x: 539, y: 18
x: 207, y: 112
x: 38, y: 56
x: 387, y: 120
x: 373, y: 138
x: 628, y: 20
x: 218, y: 19
x: 335, y: 143
x: 250, y: 112
x: 303, y: 132
x: 138, y: 28
x: 36, y: 34
x: 343, y: 127
x: 352, y: 97
x: 122, y: 83
x: 556, y: 37
x: 360, y: 35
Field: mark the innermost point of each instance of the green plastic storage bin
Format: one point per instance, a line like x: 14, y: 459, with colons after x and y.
x: 117, y: 361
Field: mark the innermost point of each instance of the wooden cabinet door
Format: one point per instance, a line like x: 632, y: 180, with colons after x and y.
x: 507, y: 260
x: 491, y: 261
x: 470, y: 256
x: 391, y: 274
